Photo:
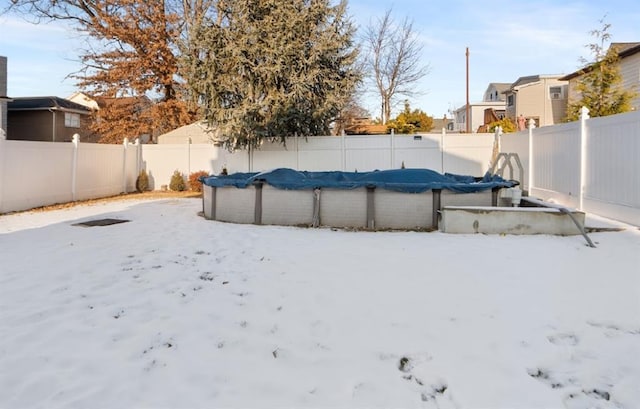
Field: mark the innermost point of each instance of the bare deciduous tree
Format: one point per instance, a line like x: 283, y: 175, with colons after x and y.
x: 394, y: 60
x: 133, y: 50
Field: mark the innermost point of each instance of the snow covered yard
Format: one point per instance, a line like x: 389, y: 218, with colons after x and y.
x: 172, y: 311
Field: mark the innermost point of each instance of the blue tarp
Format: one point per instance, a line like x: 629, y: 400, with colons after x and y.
x: 399, y: 180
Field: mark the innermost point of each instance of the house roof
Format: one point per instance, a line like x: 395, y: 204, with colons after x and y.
x: 141, y: 101
x: 499, y: 86
x: 45, y: 104
x: 624, y: 50
x: 529, y: 79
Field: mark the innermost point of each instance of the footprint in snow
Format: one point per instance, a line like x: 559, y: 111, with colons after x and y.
x: 564, y: 339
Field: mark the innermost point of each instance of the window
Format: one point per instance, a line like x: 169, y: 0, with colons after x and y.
x: 555, y: 92
x: 71, y: 120
x: 510, y: 100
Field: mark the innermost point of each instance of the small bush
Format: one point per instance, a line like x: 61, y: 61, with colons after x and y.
x: 177, y: 182
x: 194, y: 182
x: 142, y: 182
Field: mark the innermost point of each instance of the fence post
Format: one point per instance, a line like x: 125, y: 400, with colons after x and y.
x: 497, y: 146
x: 125, y: 145
x: 442, y: 134
x: 188, y: 156
x: 393, y: 149
x: 297, y: 151
x: 343, y: 151
x: 584, y: 115
x: 74, y: 167
x: 530, y: 167
x: 138, y: 157
x: 3, y: 147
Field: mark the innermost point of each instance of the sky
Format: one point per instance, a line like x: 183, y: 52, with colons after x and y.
x: 170, y: 310
x: 506, y: 40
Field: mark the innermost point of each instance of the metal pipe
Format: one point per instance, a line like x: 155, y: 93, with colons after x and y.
x: 562, y: 210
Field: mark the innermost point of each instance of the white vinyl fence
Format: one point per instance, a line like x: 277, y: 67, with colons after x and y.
x: 467, y: 154
x: 592, y: 164
x: 34, y: 174
x: 41, y: 173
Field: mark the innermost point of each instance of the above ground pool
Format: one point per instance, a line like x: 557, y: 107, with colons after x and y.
x: 386, y: 199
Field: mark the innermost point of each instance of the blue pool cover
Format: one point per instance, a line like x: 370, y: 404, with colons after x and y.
x: 399, y: 180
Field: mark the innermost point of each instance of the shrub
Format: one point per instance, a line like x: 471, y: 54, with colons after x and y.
x: 142, y: 182
x: 177, y: 182
x: 194, y: 182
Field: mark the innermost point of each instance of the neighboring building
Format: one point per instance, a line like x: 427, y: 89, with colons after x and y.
x: 130, y: 106
x: 439, y: 123
x: 629, y: 54
x: 482, y: 113
x: 495, y: 91
x: 477, y: 115
x: 51, y: 119
x: 3, y: 96
x: 197, y: 132
x: 84, y: 99
x: 364, y: 126
x: 542, y: 98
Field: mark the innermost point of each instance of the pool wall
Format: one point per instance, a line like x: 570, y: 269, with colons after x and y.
x: 370, y: 208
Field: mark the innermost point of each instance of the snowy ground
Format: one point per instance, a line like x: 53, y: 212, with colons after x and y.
x: 172, y: 311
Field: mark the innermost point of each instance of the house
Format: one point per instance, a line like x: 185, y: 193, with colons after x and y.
x: 364, y: 126
x: 117, y: 107
x: 84, y: 99
x: 629, y: 54
x: 197, y: 132
x: 476, y: 114
x: 3, y: 97
x: 51, y: 119
x: 440, y: 123
x: 542, y: 98
x: 490, y: 109
x: 495, y: 91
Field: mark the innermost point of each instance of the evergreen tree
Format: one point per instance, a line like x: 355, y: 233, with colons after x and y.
x: 600, y: 84
x: 272, y: 68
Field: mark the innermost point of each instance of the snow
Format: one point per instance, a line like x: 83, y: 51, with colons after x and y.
x: 173, y: 311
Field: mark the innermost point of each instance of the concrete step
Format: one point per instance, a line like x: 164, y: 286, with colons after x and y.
x: 509, y: 220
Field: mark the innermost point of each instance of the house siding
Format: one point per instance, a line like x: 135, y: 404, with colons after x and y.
x: 630, y: 73
x: 533, y: 100
x: 38, y: 126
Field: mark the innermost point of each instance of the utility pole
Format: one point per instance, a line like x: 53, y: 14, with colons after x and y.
x: 467, y: 118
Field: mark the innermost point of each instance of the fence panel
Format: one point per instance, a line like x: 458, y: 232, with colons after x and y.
x: 99, y: 170
x: 272, y: 155
x: 613, y: 174
x: 35, y: 174
x: 556, y: 156
x: 417, y: 151
x: 160, y: 161
x: 321, y: 153
x: 468, y: 154
x: 204, y: 156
